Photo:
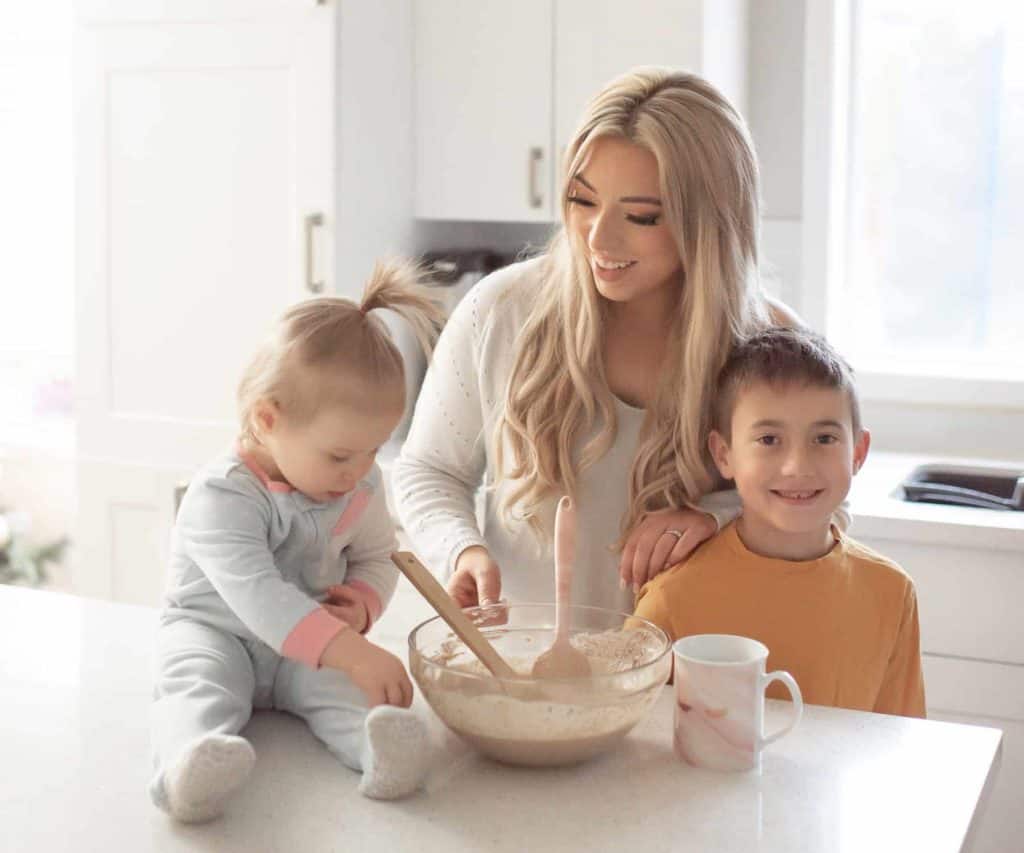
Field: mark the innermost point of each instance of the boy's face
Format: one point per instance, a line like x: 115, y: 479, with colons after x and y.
x: 792, y: 453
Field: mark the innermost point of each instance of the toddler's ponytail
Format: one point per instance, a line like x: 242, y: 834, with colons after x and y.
x: 396, y: 285
x: 331, y: 349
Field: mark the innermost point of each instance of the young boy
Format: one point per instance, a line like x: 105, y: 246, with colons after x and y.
x: 839, y: 617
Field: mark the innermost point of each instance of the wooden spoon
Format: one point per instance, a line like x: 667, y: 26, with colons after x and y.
x: 562, y: 660
x: 421, y: 578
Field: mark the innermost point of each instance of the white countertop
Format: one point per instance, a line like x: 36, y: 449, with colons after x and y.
x: 74, y: 699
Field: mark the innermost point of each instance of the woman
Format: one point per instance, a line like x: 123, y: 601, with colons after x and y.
x: 589, y: 371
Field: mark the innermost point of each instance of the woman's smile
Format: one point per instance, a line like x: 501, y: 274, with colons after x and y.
x: 608, y: 270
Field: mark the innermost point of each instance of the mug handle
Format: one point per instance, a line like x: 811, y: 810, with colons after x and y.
x: 794, y: 692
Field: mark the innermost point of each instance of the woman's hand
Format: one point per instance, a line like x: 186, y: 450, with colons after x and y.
x: 345, y: 605
x: 379, y: 674
x: 476, y: 579
x: 661, y: 539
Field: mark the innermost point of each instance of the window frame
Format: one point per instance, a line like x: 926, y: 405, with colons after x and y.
x: 826, y: 94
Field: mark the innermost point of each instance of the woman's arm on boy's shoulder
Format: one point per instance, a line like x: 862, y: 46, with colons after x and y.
x: 902, y: 690
x: 722, y: 504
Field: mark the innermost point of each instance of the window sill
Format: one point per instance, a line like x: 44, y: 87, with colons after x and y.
x: 968, y: 392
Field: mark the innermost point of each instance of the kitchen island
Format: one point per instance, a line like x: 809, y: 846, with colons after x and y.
x: 74, y: 702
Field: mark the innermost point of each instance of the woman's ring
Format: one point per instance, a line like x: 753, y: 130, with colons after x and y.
x: 677, y: 533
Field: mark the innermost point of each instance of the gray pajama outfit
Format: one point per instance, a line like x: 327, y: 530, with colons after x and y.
x: 242, y: 626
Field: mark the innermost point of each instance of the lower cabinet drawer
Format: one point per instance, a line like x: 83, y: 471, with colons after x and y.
x: 968, y: 598
x: 974, y: 688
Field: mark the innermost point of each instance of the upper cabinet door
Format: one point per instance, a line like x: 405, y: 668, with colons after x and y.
x: 203, y: 159
x: 500, y: 88
x: 597, y: 40
x: 482, y: 77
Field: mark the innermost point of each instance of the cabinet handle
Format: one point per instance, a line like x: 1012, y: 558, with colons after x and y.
x: 536, y: 158
x: 312, y: 222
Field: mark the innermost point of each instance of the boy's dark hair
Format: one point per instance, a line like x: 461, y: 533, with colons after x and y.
x: 781, y: 356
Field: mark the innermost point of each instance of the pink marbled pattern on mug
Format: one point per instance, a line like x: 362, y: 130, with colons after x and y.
x: 715, y: 726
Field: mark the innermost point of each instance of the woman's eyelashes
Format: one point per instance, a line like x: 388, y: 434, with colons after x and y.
x: 636, y: 219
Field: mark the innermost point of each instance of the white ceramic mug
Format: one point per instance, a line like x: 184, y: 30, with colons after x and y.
x: 720, y: 681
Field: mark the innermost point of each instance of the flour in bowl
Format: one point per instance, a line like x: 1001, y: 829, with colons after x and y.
x: 542, y: 721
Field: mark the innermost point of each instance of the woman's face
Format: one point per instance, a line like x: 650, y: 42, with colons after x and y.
x: 615, y: 211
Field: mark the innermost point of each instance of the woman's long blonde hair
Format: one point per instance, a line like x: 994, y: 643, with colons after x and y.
x: 558, y: 391
x: 332, y: 350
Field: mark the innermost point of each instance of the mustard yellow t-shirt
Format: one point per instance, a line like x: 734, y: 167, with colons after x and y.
x: 845, y: 625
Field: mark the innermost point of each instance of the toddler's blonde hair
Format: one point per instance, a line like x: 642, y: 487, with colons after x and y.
x: 332, y: 351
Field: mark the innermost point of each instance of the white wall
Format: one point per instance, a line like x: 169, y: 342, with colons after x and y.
x: 775, y: 105
x: 374, y: 124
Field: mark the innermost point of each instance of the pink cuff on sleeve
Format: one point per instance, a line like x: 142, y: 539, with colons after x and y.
x: 368, y: 595
x: 308, y: 639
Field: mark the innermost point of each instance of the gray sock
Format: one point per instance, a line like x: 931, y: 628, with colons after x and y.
x: 397, y: 753
x: 199, y: 785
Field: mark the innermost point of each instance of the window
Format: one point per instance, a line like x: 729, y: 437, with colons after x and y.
x: 914, y: 194
x: 36, y: 233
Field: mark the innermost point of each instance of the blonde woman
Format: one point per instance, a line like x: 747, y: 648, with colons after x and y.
x: 280, y: 562
x: 589, y: 371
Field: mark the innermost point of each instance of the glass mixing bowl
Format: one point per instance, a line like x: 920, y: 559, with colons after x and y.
x: 549, y: 721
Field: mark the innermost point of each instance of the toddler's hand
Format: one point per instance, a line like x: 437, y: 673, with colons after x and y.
x: 379, y: 674
x: 349, y: 608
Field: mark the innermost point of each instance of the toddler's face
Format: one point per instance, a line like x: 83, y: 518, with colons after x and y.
x: 792, y: 454
x: 327, y: 456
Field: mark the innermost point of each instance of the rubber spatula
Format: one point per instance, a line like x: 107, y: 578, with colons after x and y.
x: 562, y: 660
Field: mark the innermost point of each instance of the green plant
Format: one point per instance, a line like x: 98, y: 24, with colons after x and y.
x: 20, y: 562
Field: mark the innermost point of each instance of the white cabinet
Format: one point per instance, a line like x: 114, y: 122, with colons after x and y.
x: 973, y: 659
x: 204, y: 156
x: 482, y: 77
x: 500, y: 88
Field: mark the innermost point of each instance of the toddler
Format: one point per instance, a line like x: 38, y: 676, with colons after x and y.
x: 280, y: 563
x: 839, y: 617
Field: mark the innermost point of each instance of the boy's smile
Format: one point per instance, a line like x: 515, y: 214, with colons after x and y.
x: 798, y: 498
x: 792, y: 453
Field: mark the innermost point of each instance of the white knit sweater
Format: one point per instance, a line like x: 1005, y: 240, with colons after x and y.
x: 447, y: 458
